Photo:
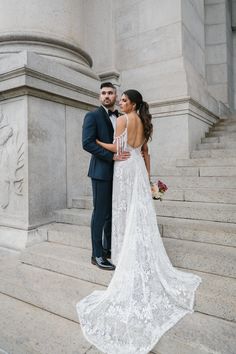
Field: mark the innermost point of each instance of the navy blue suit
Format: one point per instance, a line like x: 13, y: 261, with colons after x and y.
x: 97, y: 125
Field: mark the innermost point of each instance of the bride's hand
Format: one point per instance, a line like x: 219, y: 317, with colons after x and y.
x: 98, y: 142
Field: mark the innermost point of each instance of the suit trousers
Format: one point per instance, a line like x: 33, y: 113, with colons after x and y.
x: 101, y: 216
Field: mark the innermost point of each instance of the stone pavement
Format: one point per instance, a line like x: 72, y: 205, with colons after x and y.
x: 28, y: 329
x: 38, y: 316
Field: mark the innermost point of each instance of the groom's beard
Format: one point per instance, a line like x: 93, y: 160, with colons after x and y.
x: 108, y: 103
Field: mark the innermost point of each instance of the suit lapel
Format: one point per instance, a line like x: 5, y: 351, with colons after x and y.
x: 107, y: 118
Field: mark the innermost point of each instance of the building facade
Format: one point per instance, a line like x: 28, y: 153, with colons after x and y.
x: 181, y: 55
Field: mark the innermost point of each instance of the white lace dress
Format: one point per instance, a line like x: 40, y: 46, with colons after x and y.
x: 146, y: 295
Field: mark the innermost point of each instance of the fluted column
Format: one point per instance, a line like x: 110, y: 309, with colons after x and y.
x: 42, y: 106
x: 53, y: 29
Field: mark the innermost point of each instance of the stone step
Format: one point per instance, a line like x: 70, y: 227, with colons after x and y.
x: 194, y: 334
x: 225, y: 196
x: 224, y: 127
x: 211, y: 139
x: 202, y: 257
x: 223, y: 153
x: 180, y: 228
x: 220, y: 133
x: 209, y: 258
x: 180, y: 171
x: 195, y: 206
x: 193, y: 230
x: 49, y: 290
x: 199, y: 334
x: 67, y: 260
x: 26, y: 329
x: 199, y: 182
x: 220, y: 139
x: 196, y: 210
x: 229, y: 116
x: 219, y: 145
x: 227, y: 138
x: 215, y: 295
x: 211, y: 171
x: 204, y: 171
x: 215, y: 162
x: 86, y: 201
x: 73, y: 216
x: 218, y: 128
x: 174, y: 194
x: 70, y: 235
x: 227, y: 122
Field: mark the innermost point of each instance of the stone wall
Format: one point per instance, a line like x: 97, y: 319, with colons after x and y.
x: 219, y: 50
x: 233, y: 18
x: 42, y: 161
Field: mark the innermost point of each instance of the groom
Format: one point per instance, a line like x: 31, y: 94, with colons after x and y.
x: 100, y: 125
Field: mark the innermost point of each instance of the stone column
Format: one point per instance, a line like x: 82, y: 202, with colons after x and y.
x: 234, y: 47
x: 160, y: 48
x: 219, y: 50
x: 54, y: 30
x: 46, y: 87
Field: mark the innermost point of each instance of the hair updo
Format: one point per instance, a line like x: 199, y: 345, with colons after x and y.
x: 143, y: 110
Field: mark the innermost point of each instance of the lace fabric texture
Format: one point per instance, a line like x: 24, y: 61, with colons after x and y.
x: 146, y: 295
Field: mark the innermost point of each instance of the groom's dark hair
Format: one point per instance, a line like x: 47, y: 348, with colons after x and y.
x: 107, y: 84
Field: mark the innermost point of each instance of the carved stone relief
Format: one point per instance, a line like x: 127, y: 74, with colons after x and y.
x: 11, y: 162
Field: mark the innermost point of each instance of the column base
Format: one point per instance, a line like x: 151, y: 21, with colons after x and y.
x: 178, y: 126
x: 18, y: 239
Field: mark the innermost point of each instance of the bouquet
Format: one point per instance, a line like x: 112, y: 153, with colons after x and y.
x: 158, y: 189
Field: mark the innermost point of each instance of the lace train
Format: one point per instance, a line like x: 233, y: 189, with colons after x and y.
x: 146, y: 295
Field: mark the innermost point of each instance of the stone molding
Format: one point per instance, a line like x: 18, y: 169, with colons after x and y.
x: 48, y: 80
x: 59, y: 50
x: 181, y: 107
x: 109, y: 75
x: 18, y: 239
x: 28, y: 91
x: 52, y: 96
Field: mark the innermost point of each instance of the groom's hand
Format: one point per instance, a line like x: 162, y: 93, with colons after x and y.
x: 122, y: 156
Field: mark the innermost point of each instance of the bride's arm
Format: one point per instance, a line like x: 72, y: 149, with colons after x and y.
x: 109, y: 147
x: 146, y: 157
x: 120, y: 126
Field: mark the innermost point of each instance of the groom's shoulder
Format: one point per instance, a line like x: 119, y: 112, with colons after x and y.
x: 97, y: 112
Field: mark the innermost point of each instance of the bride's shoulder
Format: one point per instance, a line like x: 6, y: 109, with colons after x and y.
x: 121, y: 120
x: 122, y: 117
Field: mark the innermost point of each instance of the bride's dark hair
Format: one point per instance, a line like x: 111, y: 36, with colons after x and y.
x: 143, y: 110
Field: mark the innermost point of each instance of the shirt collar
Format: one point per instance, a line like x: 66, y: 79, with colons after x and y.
x: 106, y: 109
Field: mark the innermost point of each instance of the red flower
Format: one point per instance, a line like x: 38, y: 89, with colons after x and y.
x: 162, y: 186
x: 158, y: 189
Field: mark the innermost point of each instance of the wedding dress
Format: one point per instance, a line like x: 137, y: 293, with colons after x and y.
x: 146, y: 295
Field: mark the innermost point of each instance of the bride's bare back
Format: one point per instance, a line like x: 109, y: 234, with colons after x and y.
x: 135, y: 130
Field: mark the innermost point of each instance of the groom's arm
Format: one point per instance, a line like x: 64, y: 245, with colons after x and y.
x: 89, y: 137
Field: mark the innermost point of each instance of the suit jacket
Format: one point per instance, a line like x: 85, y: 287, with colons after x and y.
x: 97, y: 125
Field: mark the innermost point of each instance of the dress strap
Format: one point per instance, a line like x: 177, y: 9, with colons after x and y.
x: 127, y: 120
x: 121, y: 140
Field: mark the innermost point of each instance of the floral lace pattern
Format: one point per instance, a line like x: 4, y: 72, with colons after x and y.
x: 146, y: 295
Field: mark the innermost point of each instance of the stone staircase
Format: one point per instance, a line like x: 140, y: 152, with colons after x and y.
x: 197, y: 220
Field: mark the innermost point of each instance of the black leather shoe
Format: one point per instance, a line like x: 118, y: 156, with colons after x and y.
x: 102, y: 263
x: 106, y: 253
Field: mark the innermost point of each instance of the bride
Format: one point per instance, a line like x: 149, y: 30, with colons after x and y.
x: 146, y: 295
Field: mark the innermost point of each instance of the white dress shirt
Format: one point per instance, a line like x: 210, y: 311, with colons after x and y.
x: 112, y: 118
